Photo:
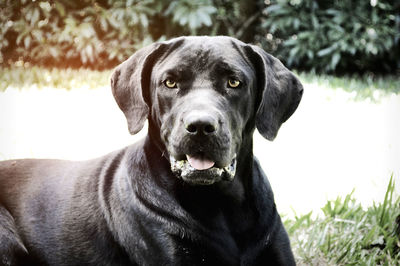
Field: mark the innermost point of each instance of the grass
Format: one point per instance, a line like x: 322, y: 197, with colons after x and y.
x: 366, y: 86
x: 347, y: 234
x: 26, y: 77
x: 23, y: 78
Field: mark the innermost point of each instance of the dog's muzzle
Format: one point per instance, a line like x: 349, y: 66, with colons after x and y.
x: 200, y: 155
x: 197, y: 171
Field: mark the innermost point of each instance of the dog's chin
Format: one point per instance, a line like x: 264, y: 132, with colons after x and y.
x: 185, y: 171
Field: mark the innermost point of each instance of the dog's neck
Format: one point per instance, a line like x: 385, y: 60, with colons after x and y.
x: 226, y: 204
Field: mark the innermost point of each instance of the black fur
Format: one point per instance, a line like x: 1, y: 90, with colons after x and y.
x: 128, y: 207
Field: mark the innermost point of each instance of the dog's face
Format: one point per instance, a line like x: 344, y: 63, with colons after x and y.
x: 204, y: 95
x: 202, y: 99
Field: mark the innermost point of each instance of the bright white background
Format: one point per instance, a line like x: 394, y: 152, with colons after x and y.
x: 331, y: 144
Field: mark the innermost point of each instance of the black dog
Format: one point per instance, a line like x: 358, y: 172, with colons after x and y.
x: 190, y: 193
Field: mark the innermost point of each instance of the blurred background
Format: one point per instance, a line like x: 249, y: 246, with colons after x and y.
x: 324, y: 36
x: 343, y: 142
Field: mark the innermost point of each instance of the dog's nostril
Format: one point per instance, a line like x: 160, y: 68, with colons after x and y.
x: 201, y: 127
x: 191, y: 128
x: 208, y: 129
x: 198, y: 123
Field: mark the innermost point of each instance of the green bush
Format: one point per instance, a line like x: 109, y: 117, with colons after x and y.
x: 102, y: 33
x: 333, y: 35
x: 92, y: 33
x: 325, y: 36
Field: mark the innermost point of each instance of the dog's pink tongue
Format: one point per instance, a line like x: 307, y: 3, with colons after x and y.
x: 199, y: 164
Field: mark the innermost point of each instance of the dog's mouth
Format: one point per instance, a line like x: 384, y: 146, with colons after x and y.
x: 198, y: 170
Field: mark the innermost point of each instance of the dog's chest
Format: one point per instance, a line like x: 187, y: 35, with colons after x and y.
x: 237, y: 241
x: 221, y: 249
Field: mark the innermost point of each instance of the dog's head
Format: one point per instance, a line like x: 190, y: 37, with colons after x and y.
x: 204, y: 96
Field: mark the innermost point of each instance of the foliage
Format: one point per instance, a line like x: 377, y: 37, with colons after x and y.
x: 100, y: 34
x: 347, y: 234
x: 335, y: 35
x: 91, y: 33
x: 325, y: 36
x: 191, y: 13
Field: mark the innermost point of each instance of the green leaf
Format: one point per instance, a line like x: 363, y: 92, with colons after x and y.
x: 204, y: 17
x: 194, y: 23
x: 314, y: 21
x: 103, y: 23
x: 143, y: 20
x: 89, y: 53
x: 387, y: 202
x: 54, y: 52
x: 60, y: 8
x: 27, y: 41
x: 326, y: 51
x: 296, y: 23
x: 35, y: 16
x: 335, y: 60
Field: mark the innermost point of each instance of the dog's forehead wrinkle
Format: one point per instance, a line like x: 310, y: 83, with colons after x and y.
x: 171, y: 67
x: 206, y: 54
x: 215, y: 60
x: 178, y: 68
x: 202, y: 56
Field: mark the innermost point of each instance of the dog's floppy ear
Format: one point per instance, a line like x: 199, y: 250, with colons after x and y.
x: 130, y: 80
x: 280, y: 93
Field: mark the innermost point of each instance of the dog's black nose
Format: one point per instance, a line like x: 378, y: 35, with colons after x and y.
x: 199, y: 123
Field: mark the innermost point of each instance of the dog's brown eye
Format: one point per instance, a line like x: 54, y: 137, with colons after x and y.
x: 170, y: 84
x: 233, y: 83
